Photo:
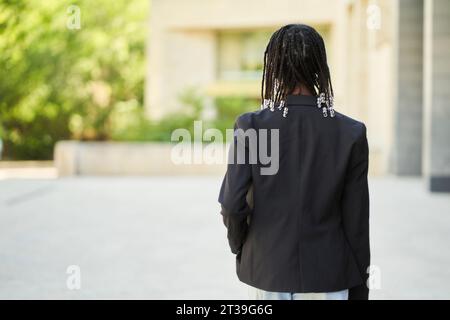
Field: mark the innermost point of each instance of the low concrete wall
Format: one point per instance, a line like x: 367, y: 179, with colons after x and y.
x: 27, y: 170
x: 19, y: 164
x: 124, y: 158
x: 73, y: 158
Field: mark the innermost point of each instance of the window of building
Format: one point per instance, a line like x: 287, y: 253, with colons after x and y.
x: 240, y: 54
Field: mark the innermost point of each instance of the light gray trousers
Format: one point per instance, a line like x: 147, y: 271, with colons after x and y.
x: 258, y: 294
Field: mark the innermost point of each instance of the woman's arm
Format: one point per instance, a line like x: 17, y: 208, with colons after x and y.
x: 355, y: 208
x: 235, y: 186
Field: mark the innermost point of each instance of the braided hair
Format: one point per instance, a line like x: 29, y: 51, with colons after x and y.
x: 295, y: 55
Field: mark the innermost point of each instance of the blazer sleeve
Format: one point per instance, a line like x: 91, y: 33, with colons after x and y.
x: 355, y: 208
x: 235, y: 185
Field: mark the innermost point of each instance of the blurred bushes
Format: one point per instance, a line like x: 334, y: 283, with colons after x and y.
x: 57, y: 83
x: 228, y: 108
x: 130, y: 123
x: 87, y: 84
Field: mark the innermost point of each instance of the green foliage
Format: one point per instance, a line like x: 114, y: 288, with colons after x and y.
x: 130, y: 123
x: 57, y: 83
x: 229, y: 108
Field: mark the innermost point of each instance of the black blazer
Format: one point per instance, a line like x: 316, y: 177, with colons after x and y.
x: 309, y: 228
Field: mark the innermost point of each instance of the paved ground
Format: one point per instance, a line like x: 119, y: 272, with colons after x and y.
x: 162, y: 237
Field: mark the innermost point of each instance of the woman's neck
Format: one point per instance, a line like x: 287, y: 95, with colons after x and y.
x: 301, y: 90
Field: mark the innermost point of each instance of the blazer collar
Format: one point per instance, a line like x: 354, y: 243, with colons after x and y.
x: 301, y: 100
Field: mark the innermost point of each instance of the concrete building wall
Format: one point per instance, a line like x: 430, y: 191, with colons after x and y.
x: 177, y: 68
x: 217, y: 14
x: 406, y: 156
x: 182, y: 41
x: 376, y: 55
x: 436, y: 154
x: 183, y: 54
x: 378, y: 79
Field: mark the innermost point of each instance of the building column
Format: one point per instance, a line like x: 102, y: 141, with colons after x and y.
x: 406, y: 153
x: 436, y: 138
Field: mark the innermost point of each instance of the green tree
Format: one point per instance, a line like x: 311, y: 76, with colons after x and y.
x: 58, y: 83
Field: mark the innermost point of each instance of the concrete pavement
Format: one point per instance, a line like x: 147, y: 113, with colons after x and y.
x: 163, y: 238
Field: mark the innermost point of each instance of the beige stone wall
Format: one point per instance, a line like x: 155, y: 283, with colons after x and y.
x: 182, y: 53
x: 216, y: 14
x: 182, y: 39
